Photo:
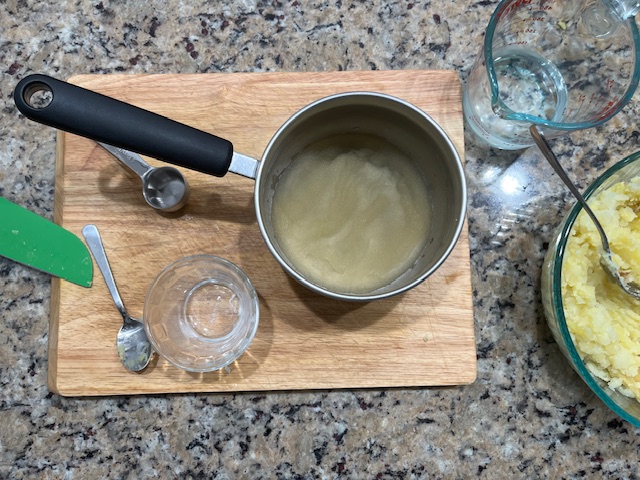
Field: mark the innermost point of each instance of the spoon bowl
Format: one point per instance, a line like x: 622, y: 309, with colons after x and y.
x: 163, y: 188
x: 132, y: 343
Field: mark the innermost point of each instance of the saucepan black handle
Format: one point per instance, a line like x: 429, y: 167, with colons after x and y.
x: 98, y: 117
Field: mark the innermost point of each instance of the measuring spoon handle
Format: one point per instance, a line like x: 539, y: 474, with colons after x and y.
x: 130, y: 159
x: 92, y: 115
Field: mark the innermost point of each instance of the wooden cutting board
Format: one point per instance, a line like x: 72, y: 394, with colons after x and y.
x: 304, y: 341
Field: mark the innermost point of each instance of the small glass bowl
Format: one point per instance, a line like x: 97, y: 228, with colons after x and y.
x: 625, y: 407
x: 201, y: 313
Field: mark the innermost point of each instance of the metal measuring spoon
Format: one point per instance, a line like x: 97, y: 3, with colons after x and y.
x: 134, y: 348
x: 606, y: 257
x: 164, y: 188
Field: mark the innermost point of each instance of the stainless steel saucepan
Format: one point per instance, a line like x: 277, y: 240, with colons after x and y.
x: 107, y: 120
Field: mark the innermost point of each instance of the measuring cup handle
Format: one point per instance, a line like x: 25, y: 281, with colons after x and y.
x: 104, y: 119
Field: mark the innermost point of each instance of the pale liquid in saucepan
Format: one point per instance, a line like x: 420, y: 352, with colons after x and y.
x: 351, y: 212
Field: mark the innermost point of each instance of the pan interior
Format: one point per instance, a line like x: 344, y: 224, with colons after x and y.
x: 395, y: 122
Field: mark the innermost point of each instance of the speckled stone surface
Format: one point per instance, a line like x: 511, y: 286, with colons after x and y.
x: 528, y: 415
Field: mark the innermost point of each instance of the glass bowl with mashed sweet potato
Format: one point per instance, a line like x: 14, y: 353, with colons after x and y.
x: 596, y: 324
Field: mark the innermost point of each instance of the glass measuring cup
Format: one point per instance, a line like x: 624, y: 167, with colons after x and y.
x: 551, y: 63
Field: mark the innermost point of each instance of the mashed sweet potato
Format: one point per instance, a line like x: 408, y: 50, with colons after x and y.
x: 604, y: 321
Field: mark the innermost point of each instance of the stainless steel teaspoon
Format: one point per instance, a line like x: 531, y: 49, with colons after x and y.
x: 133, y: 345
x: 606, y: 257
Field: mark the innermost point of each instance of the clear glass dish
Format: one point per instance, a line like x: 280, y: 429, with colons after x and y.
x: 625, y: 407
x: 201, y: 313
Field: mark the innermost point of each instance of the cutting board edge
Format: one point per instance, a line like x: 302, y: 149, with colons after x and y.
x: 54, y: 314
x: 83, y: 77
x: 73, y: 392
x: 52, y: 371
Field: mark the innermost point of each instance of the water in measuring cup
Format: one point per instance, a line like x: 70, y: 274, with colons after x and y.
x: 528, y: 83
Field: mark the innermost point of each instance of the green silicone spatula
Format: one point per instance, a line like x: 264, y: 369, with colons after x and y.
x: 32, y: 240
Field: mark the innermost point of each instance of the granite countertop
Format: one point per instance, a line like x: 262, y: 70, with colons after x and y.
x: 528, y: 415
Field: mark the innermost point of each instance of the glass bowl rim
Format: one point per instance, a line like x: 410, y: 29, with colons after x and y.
x: 253, y: 294
x: 558, y: 307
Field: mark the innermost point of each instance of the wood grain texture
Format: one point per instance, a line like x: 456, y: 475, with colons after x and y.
x: 422, y: 338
